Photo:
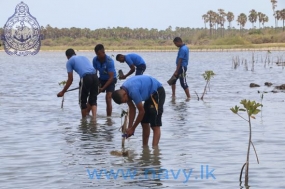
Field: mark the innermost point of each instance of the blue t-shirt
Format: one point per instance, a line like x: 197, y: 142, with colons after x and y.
x: 184, y: 54
x: 105, y: 67
x: 140, y: 87
x: 80, y: 64
x: 134, y: 59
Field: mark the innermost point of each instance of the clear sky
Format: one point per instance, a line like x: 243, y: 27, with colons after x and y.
x: 158, y: 14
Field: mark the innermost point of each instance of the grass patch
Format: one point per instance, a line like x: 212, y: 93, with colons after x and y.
x: 235, y: 40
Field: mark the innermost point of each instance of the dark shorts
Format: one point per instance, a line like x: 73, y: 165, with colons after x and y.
x: 182, y: 77
x: 140, y: 69
x: 88, y: 90
x: 111, y: 87
x: 153, y: 115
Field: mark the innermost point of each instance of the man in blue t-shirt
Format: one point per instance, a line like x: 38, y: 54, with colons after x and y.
x: 133, y: 92
x: 134, y: 61
x: 89, y: 83
x: 181, y: 66
x: 108, y: 76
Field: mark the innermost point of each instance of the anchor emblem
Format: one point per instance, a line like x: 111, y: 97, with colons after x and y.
x: 22, y: 35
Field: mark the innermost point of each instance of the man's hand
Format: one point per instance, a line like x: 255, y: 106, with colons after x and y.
x: 60, y: 94
x: 123, y: 77
x: 130, y: 132
x: 175, y: 73
x: 100, y: 90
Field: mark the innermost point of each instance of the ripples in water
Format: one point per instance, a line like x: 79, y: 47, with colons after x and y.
x: 44, y: 146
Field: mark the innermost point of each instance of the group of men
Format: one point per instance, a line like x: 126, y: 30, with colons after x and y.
x: 134, y: 91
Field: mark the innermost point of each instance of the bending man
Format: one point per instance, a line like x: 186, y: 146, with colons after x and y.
x: 134, y: 61
x: 88, y: 86
x: 133, y: 92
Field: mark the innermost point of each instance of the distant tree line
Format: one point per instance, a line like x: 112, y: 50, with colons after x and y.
x: 124, y: 36
x: 216, y: 20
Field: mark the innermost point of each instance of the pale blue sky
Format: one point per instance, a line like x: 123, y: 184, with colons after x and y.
x: 157, y: 14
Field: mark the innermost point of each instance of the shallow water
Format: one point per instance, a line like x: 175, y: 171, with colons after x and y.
x: 44, y: 146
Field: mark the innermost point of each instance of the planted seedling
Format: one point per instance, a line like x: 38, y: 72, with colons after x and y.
x: 63, y: 83
x: 123, y: 128
x: 251, y: 108
x: 208, y: 75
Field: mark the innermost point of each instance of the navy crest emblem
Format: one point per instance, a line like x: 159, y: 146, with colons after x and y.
x: 22, y: 35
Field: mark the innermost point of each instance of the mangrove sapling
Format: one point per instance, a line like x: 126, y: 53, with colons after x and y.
x: 266, y: 57
x: 208, y: 75
x: 251, y: 108
x: 63, y: 83
x: 245, y: 65
x: 261, y: 96
x: 252, y: 65
x: 256, y: 58
x: 197, y: 95
x: 123, y: 128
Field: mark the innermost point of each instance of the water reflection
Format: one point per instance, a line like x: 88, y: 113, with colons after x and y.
x: 180, y: 109
x: 148, y: 168
x: 90, y: 128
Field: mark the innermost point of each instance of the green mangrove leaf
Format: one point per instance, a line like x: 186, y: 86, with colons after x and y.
x: 235, y: 109
x: 256, y: 111
x: 62, y: 83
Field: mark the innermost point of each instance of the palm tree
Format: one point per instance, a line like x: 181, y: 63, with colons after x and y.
x: 274, y: 2
x: 278, y: 16
x: 210, y: 14
x: 282, y: 15
x: 265, y: 19
x: 216, y: 21
x: 221, y: 19
x: 230, y: 18
x: 242, y: 19
x: 205, y: 17
x: 252, y: 17
x: 260, y: 17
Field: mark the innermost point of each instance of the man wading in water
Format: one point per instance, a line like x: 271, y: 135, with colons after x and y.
x: 134, y: 91
x: 181, y: 66
x: 134, y: 61
x: 89, y: 83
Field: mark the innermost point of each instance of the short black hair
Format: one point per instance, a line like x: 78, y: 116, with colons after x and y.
x: 118, y: 56
x: 69, y: 52
x: 117, y: 97
x: 98, y: 48
x: 177, y: 39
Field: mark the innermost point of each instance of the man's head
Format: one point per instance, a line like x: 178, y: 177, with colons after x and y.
x: 69, y: 53
x: 100, y: 51
x: 178, y: 41
x: 120, y: 58
x: 120, y: 96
